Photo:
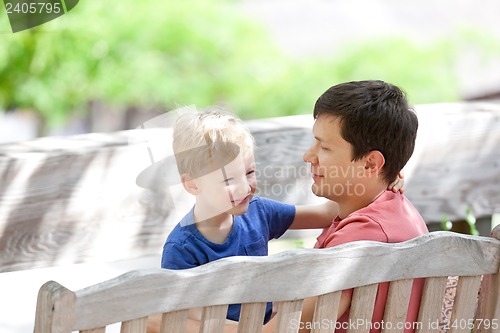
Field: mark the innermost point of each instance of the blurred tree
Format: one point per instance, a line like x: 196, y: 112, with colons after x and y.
x: 152, y: 53
x: 169, y: 53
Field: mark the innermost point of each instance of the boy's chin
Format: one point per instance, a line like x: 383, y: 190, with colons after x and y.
x: 239, y: 209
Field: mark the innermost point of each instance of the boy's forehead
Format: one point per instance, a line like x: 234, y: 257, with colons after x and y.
x: 208, y: 158
x: 234, y: 168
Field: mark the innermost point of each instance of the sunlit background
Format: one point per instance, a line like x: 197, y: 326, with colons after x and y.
x: 108, y: 65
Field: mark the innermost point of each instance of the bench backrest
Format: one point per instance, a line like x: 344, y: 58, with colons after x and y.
x: 73, y: 196
x: 288, y: 278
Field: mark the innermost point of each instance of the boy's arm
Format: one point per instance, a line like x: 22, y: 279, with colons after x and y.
x: 315, y: 216
x: 321, y: 215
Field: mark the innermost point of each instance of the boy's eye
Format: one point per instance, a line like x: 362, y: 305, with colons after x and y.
x: 251, y: 172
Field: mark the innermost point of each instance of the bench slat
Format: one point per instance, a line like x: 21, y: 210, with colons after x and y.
x: 431, y: 304
x: 288, y: 312
x: 489, y: 300
x: 251, y: 317
x: 398, y: 299
x: 95, y: 330
x: 326, y: 309
x: 465, y: 304
x: 359, y: 265
x: 369, y: 259
x: 134, y: 326
x: 174, y: 322
x: 362, y: 305
x: 213, y: 319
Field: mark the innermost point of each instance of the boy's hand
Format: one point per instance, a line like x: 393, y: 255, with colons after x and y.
x: 398, y: 184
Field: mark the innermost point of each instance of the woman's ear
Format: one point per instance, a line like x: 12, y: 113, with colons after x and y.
x: 374, y: 161
x: 189, y: 184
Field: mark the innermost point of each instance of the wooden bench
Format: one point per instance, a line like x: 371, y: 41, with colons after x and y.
x: 64, y: 200
x: 287, y: 278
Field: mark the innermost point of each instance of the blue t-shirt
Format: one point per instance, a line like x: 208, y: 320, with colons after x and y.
x: 265, y: 219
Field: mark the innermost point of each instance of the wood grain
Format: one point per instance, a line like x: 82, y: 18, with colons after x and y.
x: 431, y: 304
x: 213, y: 319
x: 174, y: 322
x: 65, y: 200
x: 289, y: 312
x: 465, y: 304
x: 138, y: 325
x: 362, y: 305
x: 141, y: 293
x: 398, y: 298
x: 326, y: 310
x: 132, y: 297
x: 251, y: 317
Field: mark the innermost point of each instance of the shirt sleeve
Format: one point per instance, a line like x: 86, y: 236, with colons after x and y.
x: 178, y: 256
x: 355, y: 228
x: 279, y: 216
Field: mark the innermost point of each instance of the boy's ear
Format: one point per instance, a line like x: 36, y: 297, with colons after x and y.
x: 374, y: 161
x: 189, y: 184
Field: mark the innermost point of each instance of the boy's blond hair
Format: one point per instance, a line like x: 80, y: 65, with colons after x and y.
x: 207, y: 140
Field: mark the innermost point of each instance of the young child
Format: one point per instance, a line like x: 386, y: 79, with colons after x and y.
x: 215, y: 159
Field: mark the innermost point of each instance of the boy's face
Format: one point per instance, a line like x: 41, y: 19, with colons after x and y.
x: 335, y: 175
x: 229, y: 189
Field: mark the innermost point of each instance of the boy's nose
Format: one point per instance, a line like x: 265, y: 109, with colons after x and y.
x: 243, y: 188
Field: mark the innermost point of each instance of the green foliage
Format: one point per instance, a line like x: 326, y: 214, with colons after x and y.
x: 135, y: 54
x: 470, y: 221
x: 171, y: 53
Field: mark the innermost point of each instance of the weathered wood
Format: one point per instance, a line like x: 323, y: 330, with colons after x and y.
x: 65, y: 200
x: 174, y: 322
x: 96, y: 330
x: 251, y: 317
x: 134, y: 326
x: 488, y: 303
x: 465, y: 304
x: 489, y: 299
x: 456, y: 164
x: 396, y: 306
x: 289, y: 312
x: 362, y: 305
x: 431, y: 304
x: 361, y: 265
x: 326, y: 309
x: 153, y: 291
x: 54, y: 309
x: 213, y: 319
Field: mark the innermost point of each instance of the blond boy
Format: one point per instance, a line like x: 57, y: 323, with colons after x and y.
x: 215, y: 158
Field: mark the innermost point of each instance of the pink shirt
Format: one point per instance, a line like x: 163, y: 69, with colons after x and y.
x: 391, y: 218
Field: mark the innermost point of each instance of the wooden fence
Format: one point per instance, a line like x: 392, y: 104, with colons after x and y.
x: 75, y: 199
